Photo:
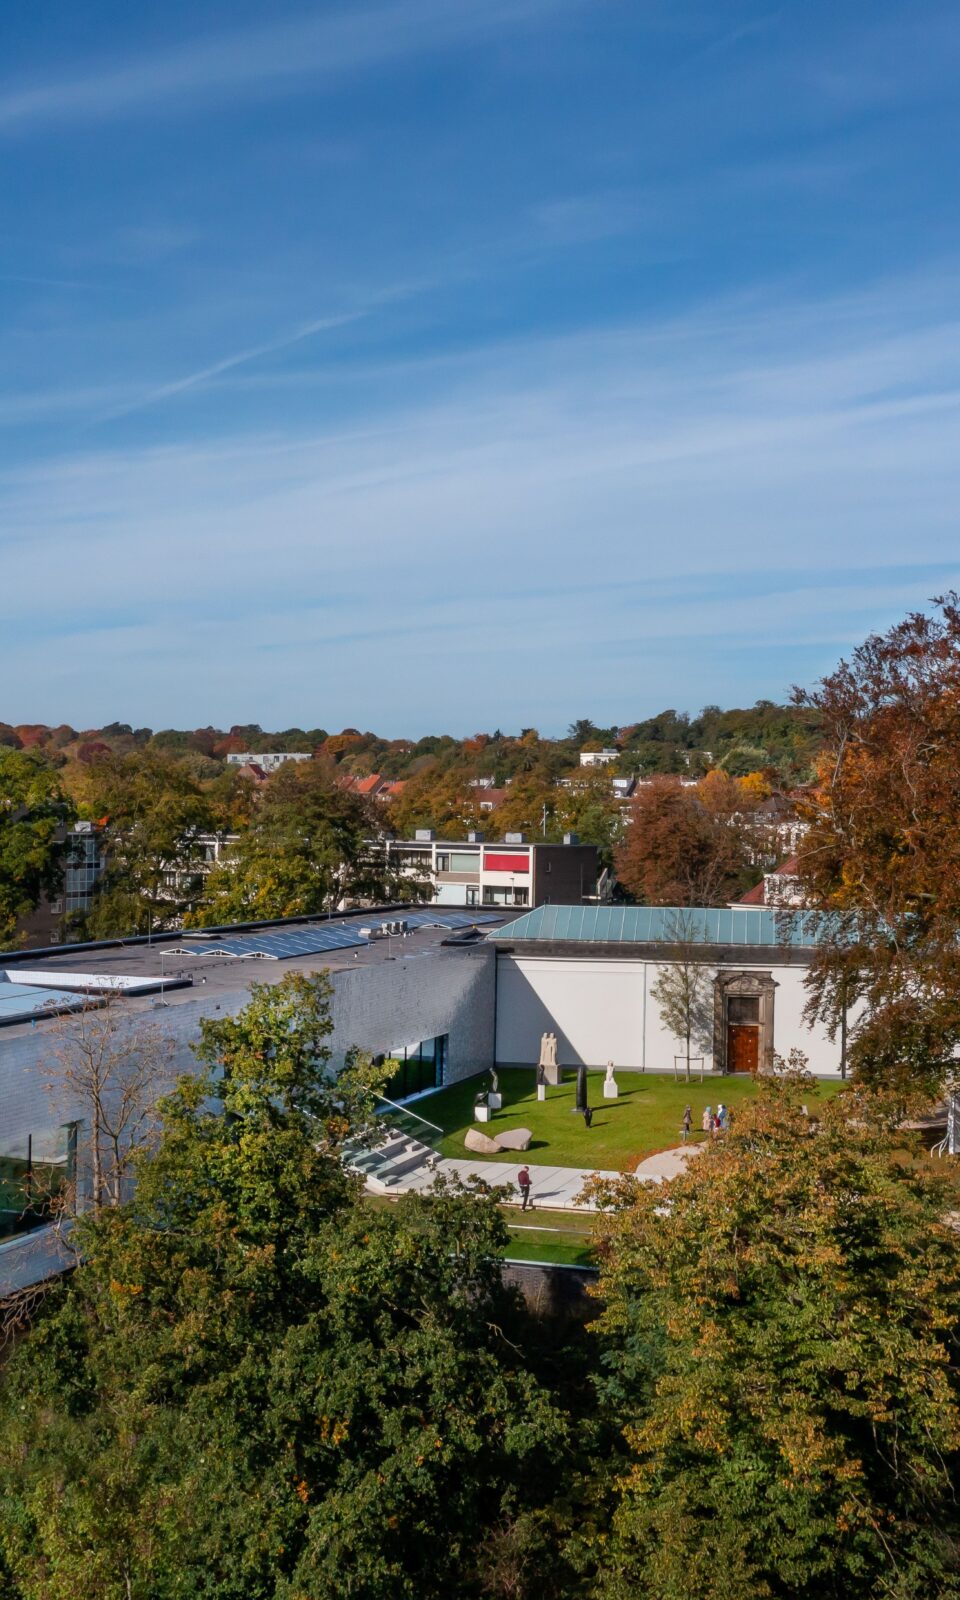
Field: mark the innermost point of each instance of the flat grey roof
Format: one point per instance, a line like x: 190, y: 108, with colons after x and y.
x: 178, y: 964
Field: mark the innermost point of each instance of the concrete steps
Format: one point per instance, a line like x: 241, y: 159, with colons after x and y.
x: 397, y: 1156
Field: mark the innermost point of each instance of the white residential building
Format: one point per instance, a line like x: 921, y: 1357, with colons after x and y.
x: 268, y: 762
x: 598, y: 758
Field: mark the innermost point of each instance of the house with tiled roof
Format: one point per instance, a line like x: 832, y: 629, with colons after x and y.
x: 781, y: 887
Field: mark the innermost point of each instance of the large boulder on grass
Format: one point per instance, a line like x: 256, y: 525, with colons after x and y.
x: 514, y: 1139
x: 480, y: 1144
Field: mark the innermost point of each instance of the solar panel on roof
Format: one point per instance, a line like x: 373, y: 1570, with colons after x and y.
x: 283, y: 944
x: 314, y: 939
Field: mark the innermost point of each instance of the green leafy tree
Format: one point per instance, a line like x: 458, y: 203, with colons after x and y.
x: 155, y: 810
x: 590, y: 808
x: 257, y: 1385
x: 33, y: 817
x: 310, y: 846
x: 780, y: 1351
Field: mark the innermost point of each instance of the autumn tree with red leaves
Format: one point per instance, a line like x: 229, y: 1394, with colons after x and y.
x: 688, y: 846
x: 883, y: 848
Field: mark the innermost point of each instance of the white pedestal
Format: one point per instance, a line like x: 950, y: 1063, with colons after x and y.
x: 610, y: 1091
x: 494, y: 1101
x: 481, y: 1113
x: 541, y: 1091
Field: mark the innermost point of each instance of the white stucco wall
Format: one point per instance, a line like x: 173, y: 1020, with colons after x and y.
x: 603, y: 1010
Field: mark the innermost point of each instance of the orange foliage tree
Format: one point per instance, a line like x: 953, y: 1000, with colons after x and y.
x: 883, y: 846
x: 687, y: 846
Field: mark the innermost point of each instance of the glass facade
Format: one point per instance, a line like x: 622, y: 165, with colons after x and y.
x: 35, y: 1172
x: 83, y: 867
x: 420, y: 1066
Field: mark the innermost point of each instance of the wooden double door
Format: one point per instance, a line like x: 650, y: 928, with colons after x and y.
x: 743, y: 1047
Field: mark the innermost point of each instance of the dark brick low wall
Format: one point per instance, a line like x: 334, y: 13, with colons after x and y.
x: 555, y: 1291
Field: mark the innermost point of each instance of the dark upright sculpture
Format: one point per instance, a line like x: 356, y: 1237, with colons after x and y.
x: 581, y: 1104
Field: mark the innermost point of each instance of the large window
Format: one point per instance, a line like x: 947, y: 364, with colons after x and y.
x: 35, y: 1173
x: 418, y: 1067
x: 743, y: 1008
x: 499, y: 896
x: 458, y: 861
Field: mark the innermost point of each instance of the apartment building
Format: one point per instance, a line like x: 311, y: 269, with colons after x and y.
x: 83, y: 864
x: 513, y: 872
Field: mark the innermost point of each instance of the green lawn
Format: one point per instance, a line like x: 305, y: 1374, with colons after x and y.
x: 645, y: 1118
x: 565, y: 1248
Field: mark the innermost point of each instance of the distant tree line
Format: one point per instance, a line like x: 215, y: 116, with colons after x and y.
x: 303, y: 837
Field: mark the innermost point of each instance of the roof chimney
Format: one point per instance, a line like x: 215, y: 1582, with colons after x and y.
x: 425, y: 835
x: 514, y: 838
x: 571, y: 838
x: 475, y: 836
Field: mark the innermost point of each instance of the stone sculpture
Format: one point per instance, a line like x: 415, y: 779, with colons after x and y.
x: 548, y: 1058
x: 510, y: 1139
x: 610, y: 1090
x: 514, y: 1139
x: 480, y: 1144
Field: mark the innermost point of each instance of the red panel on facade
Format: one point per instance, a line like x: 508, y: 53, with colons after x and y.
x: 496, y: 863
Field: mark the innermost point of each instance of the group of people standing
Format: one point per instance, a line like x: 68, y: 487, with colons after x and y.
x: 712, y: 1122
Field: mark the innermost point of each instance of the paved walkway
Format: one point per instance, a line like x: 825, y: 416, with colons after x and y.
x: 553, y: 1188
x: 667, y: 1163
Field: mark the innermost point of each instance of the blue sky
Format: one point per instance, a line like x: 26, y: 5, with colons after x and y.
x: 445, y: 365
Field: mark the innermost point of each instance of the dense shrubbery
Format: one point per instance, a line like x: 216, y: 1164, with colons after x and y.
x: 259, y: 1387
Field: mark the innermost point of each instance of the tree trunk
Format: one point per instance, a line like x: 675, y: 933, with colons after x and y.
x: 96, y: 1162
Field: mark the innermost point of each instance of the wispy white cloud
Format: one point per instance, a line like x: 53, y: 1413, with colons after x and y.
x: 239, y: 358
x: 644, y: 494
x: 264, y: 60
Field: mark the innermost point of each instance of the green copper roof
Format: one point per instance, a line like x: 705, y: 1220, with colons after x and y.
x: 738, y: 925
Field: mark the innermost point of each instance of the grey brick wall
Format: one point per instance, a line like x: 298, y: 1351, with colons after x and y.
x: 375, y: 1006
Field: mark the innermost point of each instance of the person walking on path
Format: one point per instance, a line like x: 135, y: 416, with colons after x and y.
x: 707, y: 1120
x: 687, y: 1119
x: 523, y: 1184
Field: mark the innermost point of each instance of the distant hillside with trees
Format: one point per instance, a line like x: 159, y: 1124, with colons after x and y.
x: 157, y: 797
x: 783, y: 740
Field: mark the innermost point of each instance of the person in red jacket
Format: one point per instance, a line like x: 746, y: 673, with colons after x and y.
x: 523, y: 1184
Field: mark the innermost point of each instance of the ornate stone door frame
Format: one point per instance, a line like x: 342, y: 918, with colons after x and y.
x: 763, y: 986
